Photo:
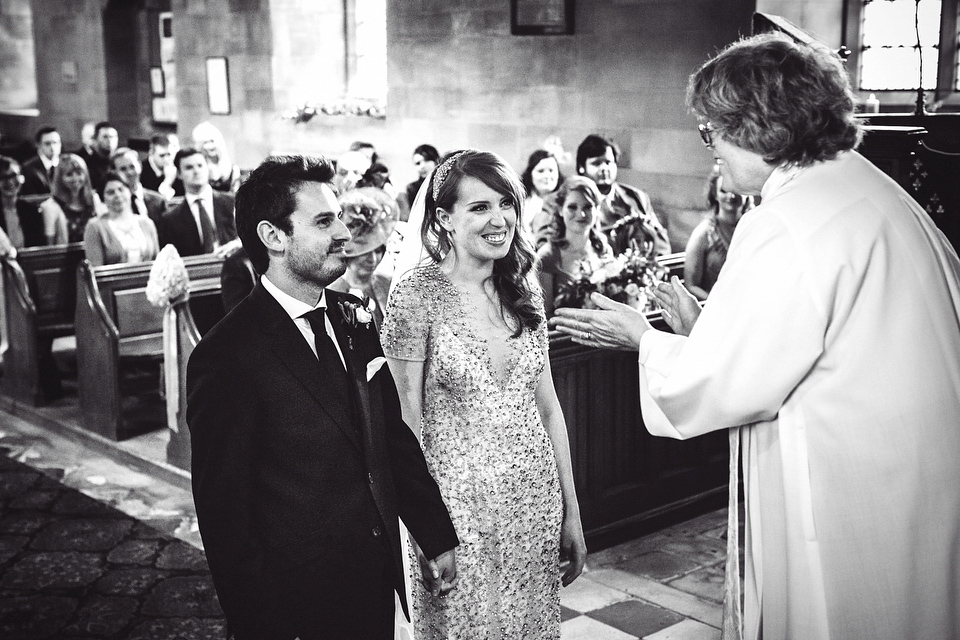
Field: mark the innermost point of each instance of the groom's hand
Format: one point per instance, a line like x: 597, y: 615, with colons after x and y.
x: 440, y: 574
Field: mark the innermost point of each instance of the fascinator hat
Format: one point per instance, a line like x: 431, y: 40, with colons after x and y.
x: 371, y: 216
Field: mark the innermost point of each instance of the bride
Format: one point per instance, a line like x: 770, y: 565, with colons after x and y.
x: 466, y: 340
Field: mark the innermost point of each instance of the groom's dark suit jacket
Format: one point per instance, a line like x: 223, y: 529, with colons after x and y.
x: 292, y: 493
x: 178, y: 227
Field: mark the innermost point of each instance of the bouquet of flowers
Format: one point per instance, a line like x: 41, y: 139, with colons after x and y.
x: 624, y: 278
x: 168, y: 281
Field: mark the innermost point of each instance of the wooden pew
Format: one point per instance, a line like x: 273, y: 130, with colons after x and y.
x: 115, y: 323
x: 40, y: 299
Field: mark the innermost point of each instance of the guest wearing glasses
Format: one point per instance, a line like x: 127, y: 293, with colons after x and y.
x: 21, y: 223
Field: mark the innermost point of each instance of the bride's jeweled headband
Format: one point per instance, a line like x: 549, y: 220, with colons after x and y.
x: 441, y: 173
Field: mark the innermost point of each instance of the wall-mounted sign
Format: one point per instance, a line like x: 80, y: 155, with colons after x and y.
x: 541, y: 17
x: 158, y: 87
x: 218, y: 86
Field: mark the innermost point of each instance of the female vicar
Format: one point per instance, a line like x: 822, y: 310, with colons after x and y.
x: 829, y: 348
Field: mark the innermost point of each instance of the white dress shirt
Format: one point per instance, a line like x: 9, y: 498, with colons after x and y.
x: 295, y: 309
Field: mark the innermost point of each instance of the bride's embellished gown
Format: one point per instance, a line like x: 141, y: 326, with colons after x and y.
x: 487, y: 448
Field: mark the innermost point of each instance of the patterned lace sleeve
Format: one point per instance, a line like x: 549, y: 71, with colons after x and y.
x: 406, y: 323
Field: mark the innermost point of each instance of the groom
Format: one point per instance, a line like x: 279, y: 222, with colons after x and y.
x: 301, y: 462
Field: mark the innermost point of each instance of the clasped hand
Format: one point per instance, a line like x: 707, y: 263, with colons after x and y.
x: 439, y: 574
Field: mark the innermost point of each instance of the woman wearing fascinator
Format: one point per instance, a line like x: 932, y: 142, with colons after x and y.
x: 370, y: 215
x: 466, y: 340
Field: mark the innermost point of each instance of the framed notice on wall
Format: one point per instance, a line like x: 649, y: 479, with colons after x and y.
x: 541, y: 17
x: 218, y: 86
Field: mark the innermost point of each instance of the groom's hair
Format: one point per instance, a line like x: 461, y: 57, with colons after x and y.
x: 270, y: 193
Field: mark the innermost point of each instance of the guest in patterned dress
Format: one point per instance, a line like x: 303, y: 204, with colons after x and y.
x: 72, y: 202
x: 466, y: 339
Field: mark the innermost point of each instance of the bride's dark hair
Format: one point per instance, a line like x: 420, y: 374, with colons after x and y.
x: 511, y: 274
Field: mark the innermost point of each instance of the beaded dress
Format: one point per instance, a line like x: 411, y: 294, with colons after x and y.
x: 489, y: 452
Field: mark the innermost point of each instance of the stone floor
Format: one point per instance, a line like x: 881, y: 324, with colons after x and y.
x: 666, y: 585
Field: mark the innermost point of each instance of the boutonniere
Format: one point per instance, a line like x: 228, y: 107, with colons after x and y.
x: 357, y: 314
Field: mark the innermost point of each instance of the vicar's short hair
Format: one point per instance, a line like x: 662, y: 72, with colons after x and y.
x: 270, y: 194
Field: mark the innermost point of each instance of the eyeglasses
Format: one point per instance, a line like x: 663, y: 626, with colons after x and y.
x: 706, y: 133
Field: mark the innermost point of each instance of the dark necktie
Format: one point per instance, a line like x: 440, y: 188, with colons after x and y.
x: 209, y: 235
x: 50, y: 173
x: 134, y: 204
x: 335, y: 375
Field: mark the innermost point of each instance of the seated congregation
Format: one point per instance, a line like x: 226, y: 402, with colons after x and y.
x: 81, y: 230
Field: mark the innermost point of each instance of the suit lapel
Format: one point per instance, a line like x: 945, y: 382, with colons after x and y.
x: 352, y: 347
x: 290, y: 347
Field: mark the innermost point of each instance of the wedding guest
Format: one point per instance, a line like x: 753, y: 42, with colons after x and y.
x: 21, y: 222
x: 626, y: 213
x: 224, y: 175
x: 87, y: 132
x: 425, y: 159
x: 204, y: 221
x: 38, y: 170
x: 577, y: 240
x: 350, y: 169
x: 119, y: 235
x: 159, y: 173
x: 710, y: 240
x: 301, y: 461
x: 370, y: 215
x: 541, y: 178
x: 465, y: 337
x: 148, y: 203
x: 237, y: 278
x: 367, y: 149
x: 830, y: 349
x: 97, y: 159
x: 71, y: 203
x: 22, y: 225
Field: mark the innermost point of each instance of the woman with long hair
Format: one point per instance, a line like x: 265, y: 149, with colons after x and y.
x: 119, y: 235
x: 541, y: 178
x: 224, y: 175
x: 578, y: 239
x: 710, y: 240
x: 466, y: 339
x: 72, y: 201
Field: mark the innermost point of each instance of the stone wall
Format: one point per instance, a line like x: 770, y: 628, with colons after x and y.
x: 457, y: 78
x: 71, y: 67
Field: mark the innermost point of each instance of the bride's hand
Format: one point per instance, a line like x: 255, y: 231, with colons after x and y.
x: 573, y: 547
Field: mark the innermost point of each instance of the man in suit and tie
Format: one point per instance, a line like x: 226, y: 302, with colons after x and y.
x: 38, y: 170
x: 203, y: 222
x: 145, y: 202
x: 301, y: 461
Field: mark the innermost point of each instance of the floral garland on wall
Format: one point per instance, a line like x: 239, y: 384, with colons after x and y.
x: 344, y: 107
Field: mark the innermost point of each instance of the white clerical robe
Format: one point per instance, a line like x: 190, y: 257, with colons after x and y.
x: 831, y: 341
